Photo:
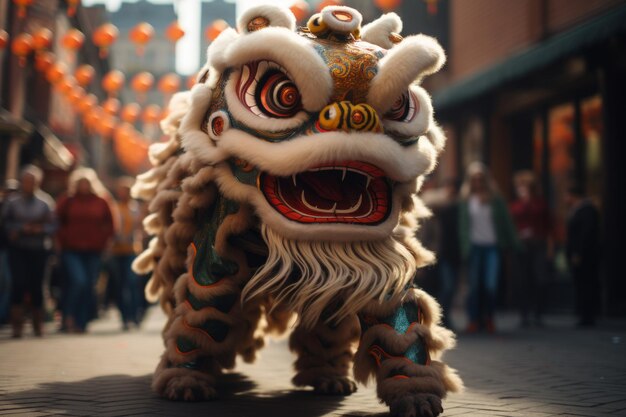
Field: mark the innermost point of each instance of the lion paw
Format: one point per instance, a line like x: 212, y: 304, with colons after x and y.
x: 339, y: 385
x: 416, y: 405
x: 189, y: 388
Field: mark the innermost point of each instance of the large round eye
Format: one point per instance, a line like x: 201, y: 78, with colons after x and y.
x: 404, y: 109
x: 267, y: 91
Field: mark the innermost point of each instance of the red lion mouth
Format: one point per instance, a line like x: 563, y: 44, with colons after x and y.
x: 345, y: 192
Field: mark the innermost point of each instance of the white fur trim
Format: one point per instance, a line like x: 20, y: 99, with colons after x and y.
x: 408, y: 61
x: 299, y: 154
x: 215, y: 51
x: 335, y: 24
x: 243, y: 115
x: 194, y: 140
x: 437, y: 137
x: 293, y: 52
x: 237, y: 191
x: 278, y: 16
x: 421, y: 121
x: 378, y: 31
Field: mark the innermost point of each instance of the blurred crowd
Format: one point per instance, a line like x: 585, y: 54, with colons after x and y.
x: 479, y: 236
x: 70, y: 258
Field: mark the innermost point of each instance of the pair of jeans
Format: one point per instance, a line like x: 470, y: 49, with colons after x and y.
x: 5, y: 286
x: 82, y: 270
x: 483, y: 272
x: 126, y: 282
x: 28, y: 267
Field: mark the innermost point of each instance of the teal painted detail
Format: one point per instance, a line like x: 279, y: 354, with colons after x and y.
x: 188, y: 365
x: 222, y: 303
x: 209, y: 268
x: 400, y: 320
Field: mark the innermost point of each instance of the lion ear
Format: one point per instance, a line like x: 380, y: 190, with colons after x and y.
x: 384, y: 31
x: 259, y: 17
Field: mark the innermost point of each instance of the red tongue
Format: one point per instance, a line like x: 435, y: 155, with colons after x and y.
x: 324, y: 183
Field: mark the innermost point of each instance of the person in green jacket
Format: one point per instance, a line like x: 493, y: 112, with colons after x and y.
x: 485, y: 229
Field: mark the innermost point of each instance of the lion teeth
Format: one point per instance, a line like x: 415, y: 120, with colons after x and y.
x: 369, y: 179
x: 293, y: 178
x: 343, y: 174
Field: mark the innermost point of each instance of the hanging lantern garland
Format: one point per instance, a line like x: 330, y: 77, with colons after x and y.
x: 22, y: 46
x: 131, y: 112
x: 111, y: 106
x: 43, y: 61
x: 140, y: 35
x: 105, y: 36
x: 169, y: 84
x: 141, y: 84
x: 73, y: 40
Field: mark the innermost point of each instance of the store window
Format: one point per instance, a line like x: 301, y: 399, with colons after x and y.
x: 591, y: 131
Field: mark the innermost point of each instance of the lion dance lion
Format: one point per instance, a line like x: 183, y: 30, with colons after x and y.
x: 288, y: 188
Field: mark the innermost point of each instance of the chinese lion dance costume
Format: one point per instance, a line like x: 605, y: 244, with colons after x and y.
x: 288, y: 188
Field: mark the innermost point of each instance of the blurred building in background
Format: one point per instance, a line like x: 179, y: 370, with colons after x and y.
x: 540, y: 85
x: 37, y: 125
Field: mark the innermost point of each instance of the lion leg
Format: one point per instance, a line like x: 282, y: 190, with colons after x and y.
x: 325, y: 355
x: 209, y: 328
x: 400, y: 346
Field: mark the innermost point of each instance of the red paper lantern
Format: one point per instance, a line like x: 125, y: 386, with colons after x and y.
x: 104, y: 36
x: 43, y: 61
x: 22, y: 46
x: 113, y: 81
x: 174, y: 32
x: 72, y: 5
x: 300, y: 10
x: 56, y: 72
x: 4, y: 38
x: 325, y: 3
x: 387, y: 5
x: 87, y: 103
x: 142, y: 82
x: 22, y: 6
x: 106, y: 125
x: 131, y: 112
x: 431, y: 6
x: 84, y: 75
x: 75, y: 96
x: 169, y: 84
x: 111, y: 106
x: 215, y: 28
x: 141, y: 35
x: 152, y: 114
x: 42, y: 39
x: 73, y: 39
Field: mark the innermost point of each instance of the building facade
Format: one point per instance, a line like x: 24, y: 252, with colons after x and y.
x: 539, y: 85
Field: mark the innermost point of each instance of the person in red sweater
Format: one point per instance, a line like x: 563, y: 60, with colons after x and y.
x: 85, y: 232
x: 532, y: 219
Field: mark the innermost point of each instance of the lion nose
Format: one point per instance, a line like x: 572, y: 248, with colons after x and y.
x: 348, y: 117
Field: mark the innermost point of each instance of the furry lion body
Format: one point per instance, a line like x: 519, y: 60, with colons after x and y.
x: 239, y: 250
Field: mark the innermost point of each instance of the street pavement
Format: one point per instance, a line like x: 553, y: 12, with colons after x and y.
x: 554, y: 370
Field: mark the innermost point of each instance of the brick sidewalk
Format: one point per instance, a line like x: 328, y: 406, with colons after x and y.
x: 545, y: 372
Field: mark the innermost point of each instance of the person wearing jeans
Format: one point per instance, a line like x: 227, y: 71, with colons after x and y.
x: 485, y: 229
x: 86, y: 229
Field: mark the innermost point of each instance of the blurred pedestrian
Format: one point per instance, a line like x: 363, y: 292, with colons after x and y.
x: 485, y: 228
x: 448, y: 253
x: 583, y: 253
x: 11, y: 187
x: 86, y: 229
x: 126, y: 282
x: 29, y: 223
x: 532, y: 219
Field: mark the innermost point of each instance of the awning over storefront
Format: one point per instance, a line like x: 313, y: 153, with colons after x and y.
x: 54, y: 150
x: 547, y: 52
x: 14, y: 126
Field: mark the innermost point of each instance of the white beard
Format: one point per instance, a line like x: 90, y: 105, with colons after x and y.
x: 334, y: 275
